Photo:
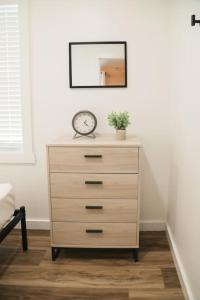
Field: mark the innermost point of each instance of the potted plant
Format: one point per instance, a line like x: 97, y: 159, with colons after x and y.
x: 120, y: 122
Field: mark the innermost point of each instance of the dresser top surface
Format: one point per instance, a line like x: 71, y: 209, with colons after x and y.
x: 101, y: 140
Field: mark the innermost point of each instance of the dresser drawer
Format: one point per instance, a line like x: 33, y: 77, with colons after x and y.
x: 94, y: 234
x: 91, y: 210
x: 93, y: 160
x: 64, y: 185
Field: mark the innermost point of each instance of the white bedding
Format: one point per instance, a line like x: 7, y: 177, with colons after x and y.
x: 7, y: 203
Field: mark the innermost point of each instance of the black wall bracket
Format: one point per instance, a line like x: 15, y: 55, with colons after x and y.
x: 194, y: 21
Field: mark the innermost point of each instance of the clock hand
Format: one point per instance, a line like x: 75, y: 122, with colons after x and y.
x: 85, y: 122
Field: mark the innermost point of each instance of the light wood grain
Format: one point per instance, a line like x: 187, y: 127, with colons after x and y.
x: 112, y: 160
x: 64, y: 185
x: 101, y: 140
x: 118, y: 167
x: 74, y: 234
x: 139, y: 192
x: 113, y: 210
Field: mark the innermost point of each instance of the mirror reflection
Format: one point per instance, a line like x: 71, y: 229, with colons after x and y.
x: 98, y: 64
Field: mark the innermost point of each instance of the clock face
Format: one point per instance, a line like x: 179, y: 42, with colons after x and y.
x: 84, y: 122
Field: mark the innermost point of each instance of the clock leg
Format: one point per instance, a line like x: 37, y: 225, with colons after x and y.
x: 93, y: 136
x: 75, y: 136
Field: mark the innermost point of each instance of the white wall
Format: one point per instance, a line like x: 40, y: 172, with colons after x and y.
x: 184, y: 196
x: 144, y: 25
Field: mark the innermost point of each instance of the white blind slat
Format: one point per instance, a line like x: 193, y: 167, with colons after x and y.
x: 11, y: 131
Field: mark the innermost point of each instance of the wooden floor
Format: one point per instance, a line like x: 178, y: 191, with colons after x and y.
x: 87, y: 274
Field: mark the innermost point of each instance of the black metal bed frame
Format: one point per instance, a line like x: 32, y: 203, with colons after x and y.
x: 19, y: 215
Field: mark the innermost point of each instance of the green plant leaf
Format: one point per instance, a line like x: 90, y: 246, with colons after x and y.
x: 119, y: 120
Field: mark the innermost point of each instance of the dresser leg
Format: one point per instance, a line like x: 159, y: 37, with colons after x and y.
x: 54, y: 253
x: 135, y: 254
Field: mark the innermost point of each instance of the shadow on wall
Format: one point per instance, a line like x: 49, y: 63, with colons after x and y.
x: 173, y: 196
x: 152, y: 203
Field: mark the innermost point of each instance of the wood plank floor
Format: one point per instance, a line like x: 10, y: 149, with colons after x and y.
x: 87, y: 274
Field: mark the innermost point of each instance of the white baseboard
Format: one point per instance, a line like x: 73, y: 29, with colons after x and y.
x: 179, y: 266
x: 153, y: 225
x: 44, y: 224
x: 40, y: 224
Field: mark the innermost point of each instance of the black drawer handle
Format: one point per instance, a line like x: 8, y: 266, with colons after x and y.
x: 94, y: 230
x: 93, y: 182
x: 93, y: 206
x: 93, y: 156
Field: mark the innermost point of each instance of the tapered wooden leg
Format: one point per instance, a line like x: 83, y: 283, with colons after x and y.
x: 23, y: 229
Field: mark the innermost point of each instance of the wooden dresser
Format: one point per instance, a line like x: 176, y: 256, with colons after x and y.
x: 94, y: 193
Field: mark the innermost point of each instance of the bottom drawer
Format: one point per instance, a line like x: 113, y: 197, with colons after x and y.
x: 94, y: 234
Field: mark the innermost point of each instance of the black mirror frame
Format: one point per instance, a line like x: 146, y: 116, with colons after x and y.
x: 96, y: 86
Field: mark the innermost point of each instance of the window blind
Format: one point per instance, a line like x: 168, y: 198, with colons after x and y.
x: 11, y: 132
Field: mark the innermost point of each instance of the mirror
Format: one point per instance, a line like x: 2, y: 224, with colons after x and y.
x: 97, y: 64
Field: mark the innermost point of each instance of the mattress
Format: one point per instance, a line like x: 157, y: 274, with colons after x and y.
x: 7, y: 204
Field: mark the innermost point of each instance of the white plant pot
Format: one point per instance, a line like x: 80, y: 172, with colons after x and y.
x: 121, y: 135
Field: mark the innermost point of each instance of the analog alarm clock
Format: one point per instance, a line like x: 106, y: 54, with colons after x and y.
x: 84, y: 123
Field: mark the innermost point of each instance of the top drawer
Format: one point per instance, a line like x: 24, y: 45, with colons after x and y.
x: 93, y: 159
